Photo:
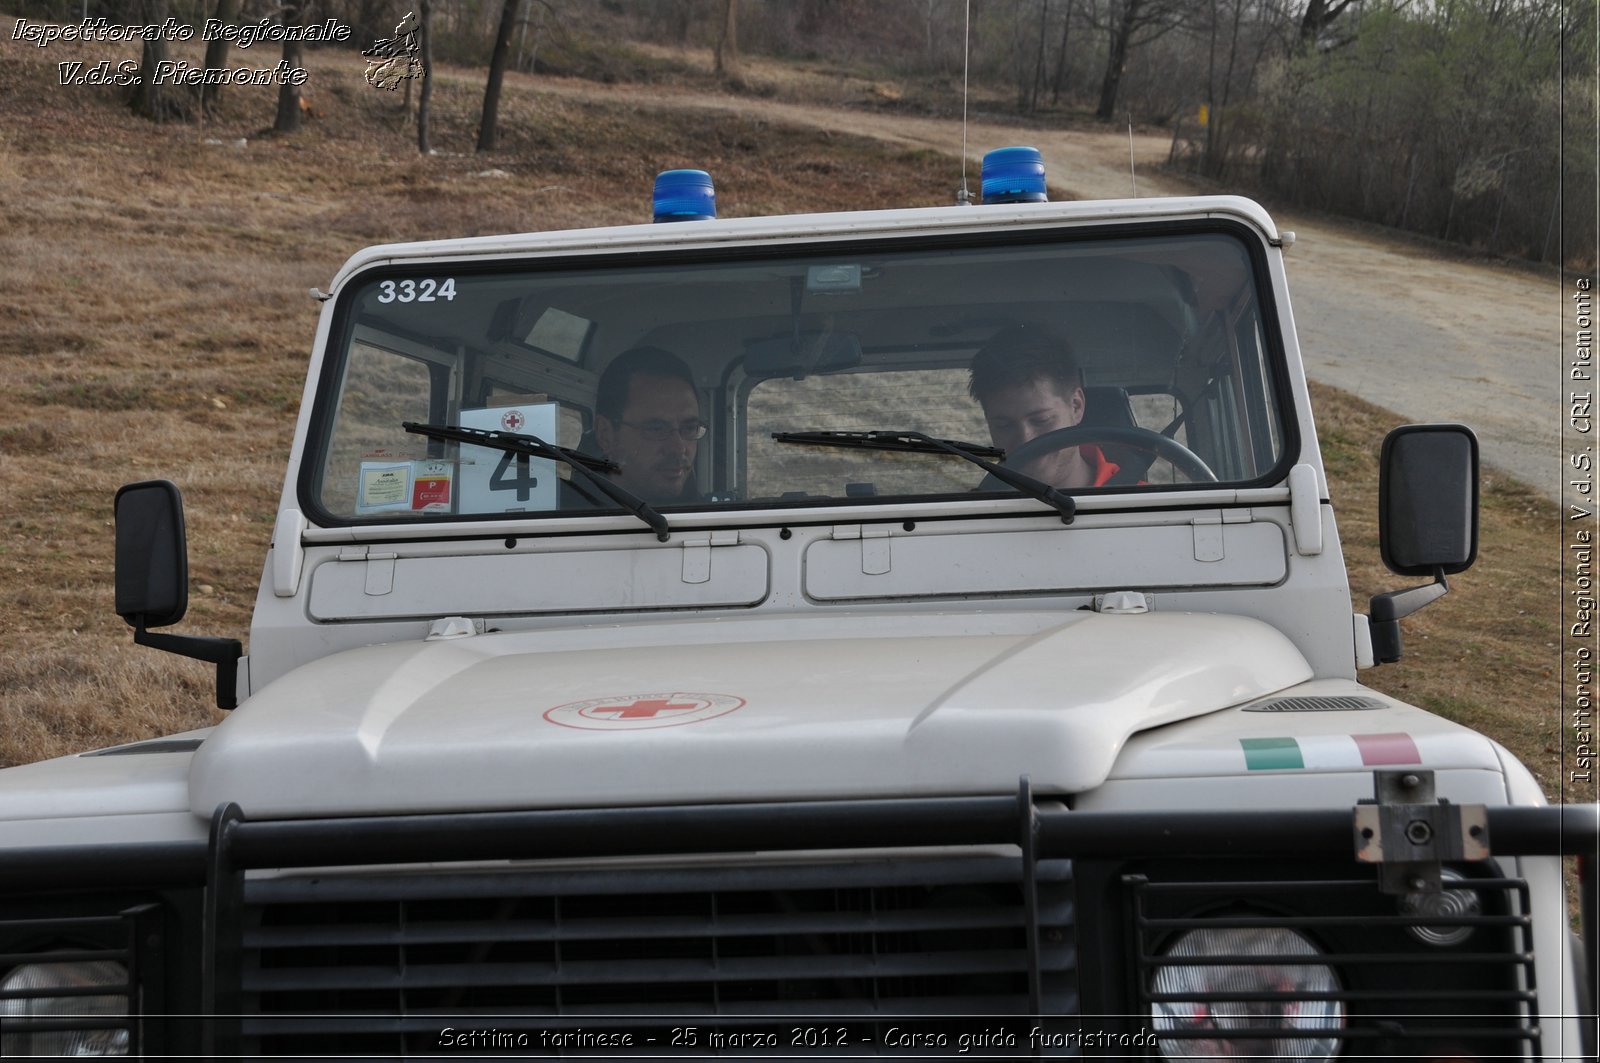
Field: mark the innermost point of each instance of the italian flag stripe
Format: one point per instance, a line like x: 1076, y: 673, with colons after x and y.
x: 1265, y: 754
x: 1329, y: 751
x: 1397, y: 748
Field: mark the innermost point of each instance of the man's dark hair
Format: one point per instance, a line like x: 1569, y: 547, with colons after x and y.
x: 1018, y: 356
x: 612, y: 393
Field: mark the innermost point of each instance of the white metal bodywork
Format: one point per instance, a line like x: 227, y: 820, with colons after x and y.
x: 845, y: 706
x: 923, y: 648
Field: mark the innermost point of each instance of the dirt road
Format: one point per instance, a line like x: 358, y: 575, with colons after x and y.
x: 1432, y: 338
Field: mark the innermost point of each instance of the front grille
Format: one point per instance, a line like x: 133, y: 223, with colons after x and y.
x: 1400, y: 996
x: 863, y: 928
x: 385, y: 961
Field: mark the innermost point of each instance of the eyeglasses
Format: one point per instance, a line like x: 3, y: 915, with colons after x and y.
x: 661, y: 431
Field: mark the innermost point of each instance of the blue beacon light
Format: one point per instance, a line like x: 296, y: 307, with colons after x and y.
x: 684, y: 195
x: 1013, y: 175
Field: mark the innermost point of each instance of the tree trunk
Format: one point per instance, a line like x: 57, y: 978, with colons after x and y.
x: 727, y: 50
x: 1220, y: 115
x: 1207, y: 154
x: 425, y: 38
x: 1411, y: 182
x: 682, y: 18
x: 1499, y: 212
x: 522, y: 44
x: 1116, y: 59
x: 1061, y: 56
x: 369, y: 22
x: 149, y: 99
x: 530, y: 63
x: 1038, y: 63
x: 289, y: 93
x: 497, y: 70
x: 227, y: 13
x: 1318, y: 16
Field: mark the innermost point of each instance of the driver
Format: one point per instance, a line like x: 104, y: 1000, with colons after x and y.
x: 1028, y: 384
x: 647, y: 420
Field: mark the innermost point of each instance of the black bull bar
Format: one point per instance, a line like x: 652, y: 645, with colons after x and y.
x: 238, y: 844
x: 1041, y: 829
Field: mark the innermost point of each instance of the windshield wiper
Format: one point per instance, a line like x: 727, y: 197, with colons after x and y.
x: 587, y: 466
x: 918, y: 443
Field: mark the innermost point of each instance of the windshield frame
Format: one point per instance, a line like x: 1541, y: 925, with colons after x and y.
x: 735, y: 386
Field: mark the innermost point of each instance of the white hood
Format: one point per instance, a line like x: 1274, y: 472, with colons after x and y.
x: 716, y: 710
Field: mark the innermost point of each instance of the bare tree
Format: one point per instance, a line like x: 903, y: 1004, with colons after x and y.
x: 424, y: 37
x: 1318, y: 16
x: 288, y: 120
x: 673, y: 19
x: 528, y: 59
x: 497, y: 70
x: 148, y: 97
x: 1033, y: 72
x: 1060, y: 76
x: 227, y: 12
x: 1132, y: 23
x: 929, y: 44
x: 368, y: 21
x: 1219, y: 97
x: 727, y: 49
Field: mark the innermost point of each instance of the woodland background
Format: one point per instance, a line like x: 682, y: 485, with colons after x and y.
x: 1459, y: 120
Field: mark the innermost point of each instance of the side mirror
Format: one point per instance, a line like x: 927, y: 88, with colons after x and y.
x: 1427, y: 520
x: 1428, y: 499
x: 152, y: 554
x: 152, y: 580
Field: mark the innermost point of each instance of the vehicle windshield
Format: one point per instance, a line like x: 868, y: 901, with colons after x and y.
x: 810, y: 376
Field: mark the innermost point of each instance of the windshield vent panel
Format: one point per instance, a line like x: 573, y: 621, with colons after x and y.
x: 1317, y: 703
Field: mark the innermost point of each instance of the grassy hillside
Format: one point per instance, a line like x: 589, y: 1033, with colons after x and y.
x: 159, y: 324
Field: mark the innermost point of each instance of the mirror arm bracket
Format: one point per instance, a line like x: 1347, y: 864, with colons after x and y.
x: 1387, y: 610
x: 222, y: 652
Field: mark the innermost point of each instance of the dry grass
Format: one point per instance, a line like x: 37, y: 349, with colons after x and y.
x: 158, y: 323
x: 158, y: 319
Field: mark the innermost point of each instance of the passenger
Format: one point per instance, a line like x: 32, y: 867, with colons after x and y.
x: 1028, y: 383
x: 647, y: 420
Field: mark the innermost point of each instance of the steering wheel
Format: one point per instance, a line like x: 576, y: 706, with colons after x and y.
x: 1181, y: 457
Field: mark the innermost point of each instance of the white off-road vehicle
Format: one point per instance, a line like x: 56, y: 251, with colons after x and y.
x: 866, y: 738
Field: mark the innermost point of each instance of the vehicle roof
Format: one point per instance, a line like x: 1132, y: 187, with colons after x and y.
x: 821, y: 227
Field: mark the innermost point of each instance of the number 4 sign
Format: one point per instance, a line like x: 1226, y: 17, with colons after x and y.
x: 494, y: 481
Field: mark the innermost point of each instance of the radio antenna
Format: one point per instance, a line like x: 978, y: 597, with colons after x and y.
x: 963, y: 194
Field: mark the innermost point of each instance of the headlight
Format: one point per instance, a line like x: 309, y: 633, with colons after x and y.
x: 1223, y: 991
x: 1446, y: 903
x: 37, y: 991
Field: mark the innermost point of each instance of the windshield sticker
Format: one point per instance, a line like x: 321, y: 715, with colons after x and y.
x: 430, y: 486
x: 384, y: 485
x: 642, y: 712
x: 498, y: 481
x: 421, y: 486
x: 1329, y: 751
